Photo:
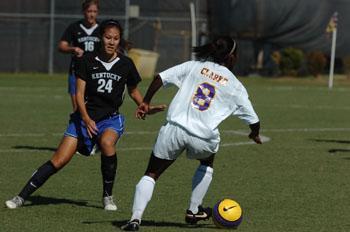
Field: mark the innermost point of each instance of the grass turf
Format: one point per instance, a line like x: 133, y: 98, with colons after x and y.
x: 297, y: 181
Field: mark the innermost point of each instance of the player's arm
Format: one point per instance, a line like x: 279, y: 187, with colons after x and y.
x: 90, y: 124
x: 152, y: 89
x: 135, y: 94
x: 140, y: 101
x: 246, y: 112
x: 66, y: 41
x: 145, y: 108
x: 65, y: 47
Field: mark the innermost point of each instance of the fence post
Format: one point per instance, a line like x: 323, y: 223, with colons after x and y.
x: 193, y: 27
x: 126, y: 23
x: 51, y: 36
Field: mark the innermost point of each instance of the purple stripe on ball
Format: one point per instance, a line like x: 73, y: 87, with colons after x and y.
x: 218, y: 220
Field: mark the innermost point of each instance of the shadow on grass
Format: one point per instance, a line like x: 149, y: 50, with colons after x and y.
x: 26, y: 147
x: 331, y: 141
x: 158, y: 224
x: 42, y: 200
x: 335, y: 150
x: 338, y: 150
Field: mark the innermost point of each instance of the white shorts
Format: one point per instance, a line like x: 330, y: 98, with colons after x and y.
x: 173, y: 140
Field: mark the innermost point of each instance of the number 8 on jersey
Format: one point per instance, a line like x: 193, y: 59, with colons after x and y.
x: 203, y: 96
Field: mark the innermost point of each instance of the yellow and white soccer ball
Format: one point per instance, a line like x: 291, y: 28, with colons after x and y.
x: 227, y: 214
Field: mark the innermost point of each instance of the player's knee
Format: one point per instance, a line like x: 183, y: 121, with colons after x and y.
x: 59, y: 159
x: 58, y: 163
x: 208, y: 161
x: 106, y: 144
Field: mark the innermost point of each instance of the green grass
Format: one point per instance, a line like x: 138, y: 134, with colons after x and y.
x: 297, y: 181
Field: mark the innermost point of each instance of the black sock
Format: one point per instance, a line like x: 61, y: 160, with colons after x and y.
x: 108, y: 169
x: 38, y: 179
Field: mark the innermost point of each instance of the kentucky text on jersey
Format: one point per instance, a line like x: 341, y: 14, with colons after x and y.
x: 106, y: 75
x: 215, y: 77
x: 88, y: 38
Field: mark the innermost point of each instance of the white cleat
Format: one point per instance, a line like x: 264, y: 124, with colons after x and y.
x: 109, y: 204
x: 15, y: 202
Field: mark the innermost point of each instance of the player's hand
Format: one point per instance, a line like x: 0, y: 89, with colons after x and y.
x: 255, y: 137
x: 78, y: 52
x: 156, y: 109
x: 142, y: 110
x: 91, y: 127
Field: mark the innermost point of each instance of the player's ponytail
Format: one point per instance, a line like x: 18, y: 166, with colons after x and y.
x: 217, y: 51
x: 204, y: 52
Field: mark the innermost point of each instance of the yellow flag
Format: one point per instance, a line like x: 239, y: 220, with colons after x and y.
x: 332, y: 25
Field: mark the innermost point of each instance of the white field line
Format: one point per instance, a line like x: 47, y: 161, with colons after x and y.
x: 305, y: 88
x: 148, y: 148
x: 238, y: 132
x: 297, y: 106
x: 306, y: 130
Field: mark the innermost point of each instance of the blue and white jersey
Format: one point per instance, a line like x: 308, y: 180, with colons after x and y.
x: 208, y: 93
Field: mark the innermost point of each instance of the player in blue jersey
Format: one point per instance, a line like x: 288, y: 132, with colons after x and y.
x: 80, y: 37
x: 102, y: 78
x: 208, y: 93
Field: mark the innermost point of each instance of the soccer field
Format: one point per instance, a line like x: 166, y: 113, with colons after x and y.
x: 298, y: 180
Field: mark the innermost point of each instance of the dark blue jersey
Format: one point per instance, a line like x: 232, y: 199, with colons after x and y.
x: 78, y: 35
x: 105, y: 83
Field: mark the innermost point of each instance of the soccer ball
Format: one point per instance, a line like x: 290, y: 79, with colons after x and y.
x: 227, y: 214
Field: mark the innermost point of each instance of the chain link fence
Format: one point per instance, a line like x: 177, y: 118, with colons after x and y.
x: 31, y: 32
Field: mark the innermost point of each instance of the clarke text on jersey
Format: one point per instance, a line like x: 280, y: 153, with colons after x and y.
x: 215, y: 77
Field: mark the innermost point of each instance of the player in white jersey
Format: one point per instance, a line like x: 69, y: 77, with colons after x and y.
x: 208, y: 93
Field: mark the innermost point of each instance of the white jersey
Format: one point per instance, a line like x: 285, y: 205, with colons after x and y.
x: 208, y: 93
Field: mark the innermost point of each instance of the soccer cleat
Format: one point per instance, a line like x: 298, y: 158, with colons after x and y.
x: 15, y: 202
x: 202, y: 214
x: 108, y: 203
x: 133, y: 225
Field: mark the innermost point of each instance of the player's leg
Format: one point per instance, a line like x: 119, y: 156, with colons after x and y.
x: 168, y: 147
x: 200, y: 184
x: 144, y: 190
x: 108, y: 166
x: 64, y: 152
x: 111, y: 130
x: 204, y: 150
x: 61, y: 157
